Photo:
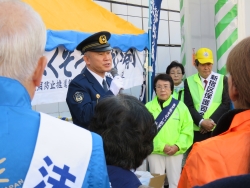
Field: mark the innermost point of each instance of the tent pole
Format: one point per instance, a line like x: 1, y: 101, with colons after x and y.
x: 149, y: 54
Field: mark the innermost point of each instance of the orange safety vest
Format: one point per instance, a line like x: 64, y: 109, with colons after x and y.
x: 227, y: 154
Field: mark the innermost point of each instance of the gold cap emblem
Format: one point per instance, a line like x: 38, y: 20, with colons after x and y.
x: 102, y: 39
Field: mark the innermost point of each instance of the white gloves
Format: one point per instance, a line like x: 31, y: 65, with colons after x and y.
x: 116, y: 85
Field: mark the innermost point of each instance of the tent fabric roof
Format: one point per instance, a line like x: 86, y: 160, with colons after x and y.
x: 71, y: 21
x: 70, y: 39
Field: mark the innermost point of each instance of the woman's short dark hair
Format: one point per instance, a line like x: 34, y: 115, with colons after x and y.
x: 175, y: 64
x: 127, y: 129
x: 164, y: 77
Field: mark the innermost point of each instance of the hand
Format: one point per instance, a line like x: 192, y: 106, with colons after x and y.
x: 116, y: 85
x: 207, y: 124
x: 202, y: 130
x: 166, y: 149
x: 171, y: 150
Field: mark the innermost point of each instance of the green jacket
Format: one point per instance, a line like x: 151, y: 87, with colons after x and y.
x: 197, y: 91
x: 177, y: 130
x: 176, y: 94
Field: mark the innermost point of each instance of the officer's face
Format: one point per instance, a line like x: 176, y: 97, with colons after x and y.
x: 99, y: 62
x: 204, y: 69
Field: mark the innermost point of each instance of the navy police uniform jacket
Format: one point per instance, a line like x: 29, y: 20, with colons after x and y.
x: 83, y: 94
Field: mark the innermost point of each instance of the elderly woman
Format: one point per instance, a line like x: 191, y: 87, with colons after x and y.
x: 128, y: 130
x: 175, y: 130
x: 176, y: 71
x: 228, y: 153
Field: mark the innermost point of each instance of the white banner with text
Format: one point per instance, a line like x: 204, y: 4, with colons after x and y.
x: 63, y: 66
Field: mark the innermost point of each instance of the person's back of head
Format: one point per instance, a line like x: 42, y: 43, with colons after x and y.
x: 238, y: 67
x: 127, y: 129
x: 22, y: 40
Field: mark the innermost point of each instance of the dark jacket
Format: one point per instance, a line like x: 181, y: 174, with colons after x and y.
x: 242, y: 181
x: 83, y: 93
x: 223, y: 107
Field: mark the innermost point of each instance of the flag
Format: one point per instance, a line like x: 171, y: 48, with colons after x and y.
x: 155, y: 9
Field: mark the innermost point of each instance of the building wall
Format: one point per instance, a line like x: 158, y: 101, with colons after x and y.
x: 199, y: 17
x: 243, y: 19
x: 136, y: 12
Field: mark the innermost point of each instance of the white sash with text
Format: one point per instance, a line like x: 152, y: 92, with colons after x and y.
x: 209, y: 93
x: 61, y: 156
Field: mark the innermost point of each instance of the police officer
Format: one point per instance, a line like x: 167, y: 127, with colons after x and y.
x: 87, y: 88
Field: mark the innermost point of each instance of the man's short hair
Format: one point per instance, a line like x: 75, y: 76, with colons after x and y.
x: 22, y: 39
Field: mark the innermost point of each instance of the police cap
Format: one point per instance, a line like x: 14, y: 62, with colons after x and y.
x: 97, y: 42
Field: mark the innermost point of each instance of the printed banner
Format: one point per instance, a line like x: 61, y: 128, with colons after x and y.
x: 155, y: 19
x: 64, y: 65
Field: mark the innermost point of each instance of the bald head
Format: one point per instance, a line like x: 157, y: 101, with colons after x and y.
x: 22, y: 39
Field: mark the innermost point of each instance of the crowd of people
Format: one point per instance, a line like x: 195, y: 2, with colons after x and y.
x: 187, y: 131
x: 227, y: 153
